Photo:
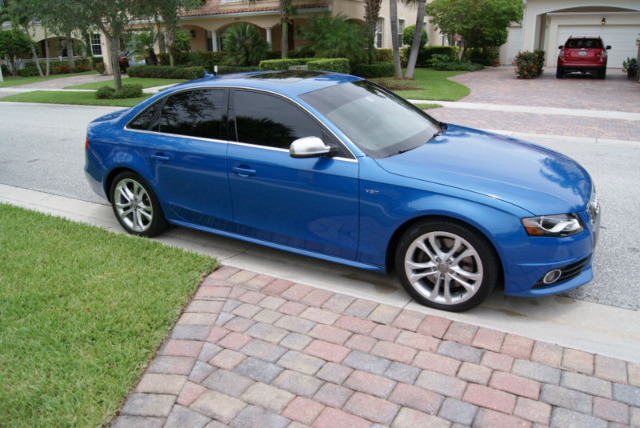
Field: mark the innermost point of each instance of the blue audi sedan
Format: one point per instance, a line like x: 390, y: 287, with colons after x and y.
x: 336, y: 167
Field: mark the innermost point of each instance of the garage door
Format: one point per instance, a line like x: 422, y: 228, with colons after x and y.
x: 622, y: 39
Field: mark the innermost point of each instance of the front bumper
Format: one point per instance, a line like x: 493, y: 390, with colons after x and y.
x: 573, y: 256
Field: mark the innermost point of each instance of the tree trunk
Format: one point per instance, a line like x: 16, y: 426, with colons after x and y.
x: 284, y: 39
x: 115, y: 61
x: 393, y: 11
x: 70, y: 60
x: 34, y: 55
x: 415, y: 43
x: 46, y: 53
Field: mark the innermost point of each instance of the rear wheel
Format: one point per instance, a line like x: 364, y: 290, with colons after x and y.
x: 136, y: 206
x: 559, y: 72
x: 602, y: 73
x: 446, y: 265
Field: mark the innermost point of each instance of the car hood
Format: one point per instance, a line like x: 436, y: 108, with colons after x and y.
x: 531, y: 177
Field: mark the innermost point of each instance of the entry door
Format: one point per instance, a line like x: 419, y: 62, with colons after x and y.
x: 187, y: 158
x: 310, y: 204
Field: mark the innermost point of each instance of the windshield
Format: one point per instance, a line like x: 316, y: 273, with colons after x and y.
x: 379, y: 122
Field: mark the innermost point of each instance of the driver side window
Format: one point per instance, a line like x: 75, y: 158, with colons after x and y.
x: 267, y: 120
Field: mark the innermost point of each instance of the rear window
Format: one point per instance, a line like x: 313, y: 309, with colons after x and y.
x: 584, y: 43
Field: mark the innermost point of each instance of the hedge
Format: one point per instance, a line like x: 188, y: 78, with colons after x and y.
x: 165, y: 72
x: 283, y: 64
x: 127, y: 91
x: 228, y: 69
x: 378, y: 69
x: 457, y: 66
x: 425, y: 54
x: 338, y: 65
x: 55, y: 67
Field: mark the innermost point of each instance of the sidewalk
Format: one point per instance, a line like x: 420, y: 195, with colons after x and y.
x: 285, y: 341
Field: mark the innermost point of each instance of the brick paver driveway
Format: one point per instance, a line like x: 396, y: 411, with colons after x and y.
x: 499, y: 86
x: 256, y: 351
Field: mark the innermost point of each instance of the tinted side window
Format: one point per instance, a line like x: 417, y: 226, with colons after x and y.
x: 267, y: 120
x: 196, y: 113
x: 143, y: 120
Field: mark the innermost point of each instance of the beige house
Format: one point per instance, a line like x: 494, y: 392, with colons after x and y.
x: 548, y: 23
x: 208, y: 24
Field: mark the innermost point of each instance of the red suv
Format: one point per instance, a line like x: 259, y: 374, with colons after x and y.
x: 583, y: 54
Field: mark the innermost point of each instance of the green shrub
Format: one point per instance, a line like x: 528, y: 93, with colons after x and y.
x: 338, y: 65
x: 105, y: 93
x: 457, y: 66
x: 384, y: 55
x: 127, y: 91
x: 378, y: 69
x: 25, y: 72
x: 283, y: 64
x: 228, y: 69
x: 529, y: 64
x: 166, y: 72
x: 194, y: 59
x: 407, y: 35
x: 426, y: 53
x: 244, y: 45
x: 100, y: 67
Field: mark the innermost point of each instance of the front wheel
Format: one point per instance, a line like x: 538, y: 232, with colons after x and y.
x: 446, y: 265
x: 136, y: 206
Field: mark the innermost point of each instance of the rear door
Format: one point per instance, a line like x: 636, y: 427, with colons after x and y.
x: 310, y: 204
x: 185, y: 148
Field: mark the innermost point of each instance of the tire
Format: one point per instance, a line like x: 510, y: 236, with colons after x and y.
x: 446, y: 265
x: 136, y: 206
x: 602, y: 74
x: 559, y: 73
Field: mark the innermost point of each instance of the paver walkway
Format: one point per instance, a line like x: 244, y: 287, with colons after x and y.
x: 256, y: 351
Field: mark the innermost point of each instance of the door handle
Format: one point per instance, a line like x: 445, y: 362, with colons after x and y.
x: 160, y: 157
x: 243, y: 171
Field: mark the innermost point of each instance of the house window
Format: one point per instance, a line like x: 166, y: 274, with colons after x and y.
x: 401, y: 25
x: 96, y: 47
x: 379, y: 33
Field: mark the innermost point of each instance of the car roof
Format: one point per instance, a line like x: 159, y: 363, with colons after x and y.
x: 290, y: 83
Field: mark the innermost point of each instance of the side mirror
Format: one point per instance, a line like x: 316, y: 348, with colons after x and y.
x: 308, y: 147
x: 608, y: 47
x: 560, y: 47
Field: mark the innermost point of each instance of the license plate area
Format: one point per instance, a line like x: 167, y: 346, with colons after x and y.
x: 582, y: 53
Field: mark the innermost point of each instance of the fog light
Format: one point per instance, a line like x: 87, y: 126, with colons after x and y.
x: 552, y: 276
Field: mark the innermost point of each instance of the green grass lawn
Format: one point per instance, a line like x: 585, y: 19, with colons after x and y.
x: 68, y: 97
x: 433, y: 85
x: 82, y: 313
x: 425, y: 106
x: 16, y: 81
x: 145, y: 82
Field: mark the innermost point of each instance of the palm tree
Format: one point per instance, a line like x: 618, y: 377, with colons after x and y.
x: 393, y: 12
x: 143, y: 43
x: 244, y: 45
x: 371, y: 13
x: 416, y: 43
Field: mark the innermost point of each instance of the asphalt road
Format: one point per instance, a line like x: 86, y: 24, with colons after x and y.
x: 42, y: 148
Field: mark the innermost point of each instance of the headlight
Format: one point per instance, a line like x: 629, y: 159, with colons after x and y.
x: 594, y: 205
x: 553, y: 225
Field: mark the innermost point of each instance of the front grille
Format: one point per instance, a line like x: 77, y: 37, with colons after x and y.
x: 568, y: 272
